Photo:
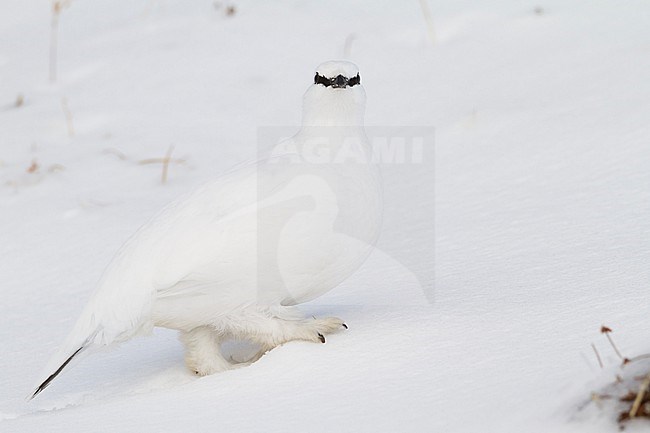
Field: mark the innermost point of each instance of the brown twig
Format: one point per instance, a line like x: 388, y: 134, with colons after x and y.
x: 605, y: 330
x: 643, y: 388
x: 600, y: 361
x: 68, y: 116
x: 618, y: 378
x: 164, y: 161
x: 165, y: 166
x: 161, y: 161
x: 33, y: 167
x: 54, y: 33
x: 424, y: 5
x: 639, y: 357
x: 347, y: 46
x: 57, y: 7
x: 115, y: 152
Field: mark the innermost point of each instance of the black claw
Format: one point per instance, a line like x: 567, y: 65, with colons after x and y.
x: 321, y: 337
x: 345, y: 326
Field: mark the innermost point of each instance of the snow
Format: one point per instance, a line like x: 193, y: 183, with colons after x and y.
x: 539, y: 203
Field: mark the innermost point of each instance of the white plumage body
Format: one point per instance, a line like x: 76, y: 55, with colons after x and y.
x: 230, y: 258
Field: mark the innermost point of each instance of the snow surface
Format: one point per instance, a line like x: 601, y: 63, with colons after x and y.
x: 541, y: 201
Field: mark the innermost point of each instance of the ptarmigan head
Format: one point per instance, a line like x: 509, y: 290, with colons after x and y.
x: 336, y: 97
x: 337, y: 74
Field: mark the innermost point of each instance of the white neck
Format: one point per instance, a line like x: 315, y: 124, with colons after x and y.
x: 326, y: 106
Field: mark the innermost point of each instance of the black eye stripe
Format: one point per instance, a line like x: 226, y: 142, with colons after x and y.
x: 327, y: 82
x: 319, y: 79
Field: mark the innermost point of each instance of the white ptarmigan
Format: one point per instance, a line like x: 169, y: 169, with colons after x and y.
x: 232, y: 258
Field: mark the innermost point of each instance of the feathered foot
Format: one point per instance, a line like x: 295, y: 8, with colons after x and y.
x: 202, y: 351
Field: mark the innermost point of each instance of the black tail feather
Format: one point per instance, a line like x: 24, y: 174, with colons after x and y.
x: 47, y: 381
